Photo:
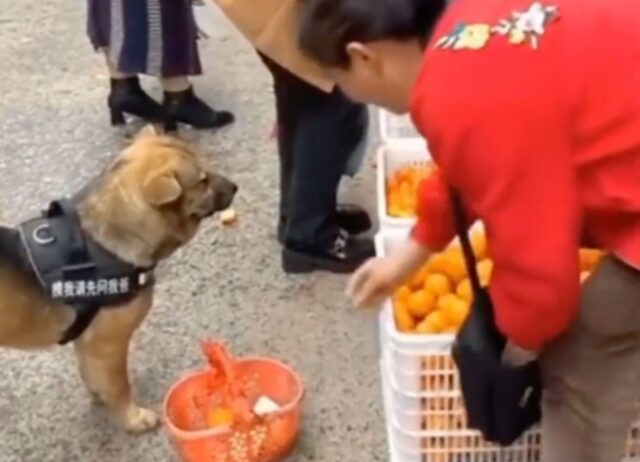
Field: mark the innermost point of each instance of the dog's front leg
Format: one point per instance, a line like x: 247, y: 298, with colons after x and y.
x: 102, y: 353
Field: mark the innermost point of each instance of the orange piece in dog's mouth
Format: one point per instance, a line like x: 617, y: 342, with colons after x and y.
x: 228, y: 217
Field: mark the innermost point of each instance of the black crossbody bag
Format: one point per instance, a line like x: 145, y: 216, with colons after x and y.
x: 501, y: 401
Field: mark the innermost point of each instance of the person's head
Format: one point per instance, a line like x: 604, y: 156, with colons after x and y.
x: 371, y: 48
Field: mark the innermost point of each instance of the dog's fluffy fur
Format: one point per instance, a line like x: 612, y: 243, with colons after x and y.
x: 146, y: 205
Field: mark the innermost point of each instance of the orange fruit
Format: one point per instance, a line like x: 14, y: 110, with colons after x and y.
x: 403, y: 318
x: 597, y: 257
x: 220, y: 417
x: 406, y: 193
x: 479, y: 244
x: 417, y: 281
x: 434, y: 323
x: 425, y: 328
x: 421, y: 303
x: 437, y: 263
x: 451, y: 330
x: 455, y: 266
x: 438, y: 284
x: 584, y: 276
x: 589, y: 259
x: 394, y: 204
x: 395, y: 211
x: 402, y: 189
x: 445, y: 302
x: 437, y: 321
x: 456, y: 312
x: 464, y: 290
x: 403, y: 294
x: 401, y: 174
x: 485, y: 268
x: 585, y: 264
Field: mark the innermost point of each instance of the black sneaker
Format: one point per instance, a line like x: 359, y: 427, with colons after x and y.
x: 344, y: 256
x: 352, y: 218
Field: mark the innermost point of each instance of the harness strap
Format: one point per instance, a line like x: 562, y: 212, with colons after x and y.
x: 85, y: 314
x: 78, y: 247
x: 76, y: 271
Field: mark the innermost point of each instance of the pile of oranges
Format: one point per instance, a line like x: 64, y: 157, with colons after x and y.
x: 437, y: 299
x: 402, y: 189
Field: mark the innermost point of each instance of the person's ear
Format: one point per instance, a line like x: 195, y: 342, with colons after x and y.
x: 361, y: 55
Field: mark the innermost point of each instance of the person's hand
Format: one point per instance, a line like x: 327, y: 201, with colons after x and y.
x: 515, y: 356
x: 375, y: 281
x: 379, y: 277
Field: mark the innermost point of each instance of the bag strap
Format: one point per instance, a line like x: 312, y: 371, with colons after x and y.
x: 461, y: 226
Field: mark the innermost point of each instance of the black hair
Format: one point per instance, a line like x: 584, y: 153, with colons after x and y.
x: 328, y: 26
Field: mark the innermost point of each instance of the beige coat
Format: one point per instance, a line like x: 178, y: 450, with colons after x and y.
x: 272, y: 27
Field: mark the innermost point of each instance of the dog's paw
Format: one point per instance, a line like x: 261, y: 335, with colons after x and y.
x: 140, y: 420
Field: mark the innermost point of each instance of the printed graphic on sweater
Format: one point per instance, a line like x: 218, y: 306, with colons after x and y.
x: 528, y: 26
x: 522, y: 27
x: 466, y: 37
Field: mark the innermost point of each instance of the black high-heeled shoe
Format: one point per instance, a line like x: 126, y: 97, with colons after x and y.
x: 186, y: 107
x: 128, y: 97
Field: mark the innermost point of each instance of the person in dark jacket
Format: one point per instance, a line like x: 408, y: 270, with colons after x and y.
x: 318, y: 133
x: 156, y: 38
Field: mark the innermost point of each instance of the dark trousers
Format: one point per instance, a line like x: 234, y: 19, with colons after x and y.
x: 317, y: 132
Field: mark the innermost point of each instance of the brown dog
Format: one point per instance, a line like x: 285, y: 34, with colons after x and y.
x: 146, y: 205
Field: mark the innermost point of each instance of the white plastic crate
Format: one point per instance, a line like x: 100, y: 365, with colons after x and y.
x: 403, y: 352
x: 424, y: 412
x: 395, y: 129
x: 440, y: 435
x: 423, y: 404
x: 390, y: 158
x: 387, y: 241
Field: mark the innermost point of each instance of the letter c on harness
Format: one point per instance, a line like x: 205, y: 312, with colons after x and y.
x: 42, y: 235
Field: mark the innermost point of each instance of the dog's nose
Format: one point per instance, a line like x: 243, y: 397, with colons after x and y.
x: 234, y: 188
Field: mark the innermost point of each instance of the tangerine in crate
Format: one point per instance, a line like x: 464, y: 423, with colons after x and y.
x: 402, y: 189
x: 236, y: 410
x: 437, y: 299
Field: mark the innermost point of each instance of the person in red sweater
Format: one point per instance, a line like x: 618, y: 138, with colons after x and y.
x: 532, y: 112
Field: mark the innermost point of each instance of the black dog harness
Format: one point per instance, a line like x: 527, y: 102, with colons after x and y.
x: 75, y: 270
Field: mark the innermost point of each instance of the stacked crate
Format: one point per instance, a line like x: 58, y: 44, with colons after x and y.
x: 425, y: 416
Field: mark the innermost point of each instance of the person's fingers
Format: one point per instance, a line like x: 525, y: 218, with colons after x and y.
x: 370, y: 290
x: 358, y: 278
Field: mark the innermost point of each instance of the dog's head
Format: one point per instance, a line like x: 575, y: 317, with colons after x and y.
x: 173, y: 180
x: 156, y: 193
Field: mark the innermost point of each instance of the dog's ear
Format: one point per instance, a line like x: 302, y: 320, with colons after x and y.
x: 147, y: 131
x: 160, y: 188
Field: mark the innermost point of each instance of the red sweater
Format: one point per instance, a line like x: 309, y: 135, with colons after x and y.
x: 541, y: 135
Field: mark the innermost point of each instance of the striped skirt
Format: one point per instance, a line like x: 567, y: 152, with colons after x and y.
x: 154, y: 37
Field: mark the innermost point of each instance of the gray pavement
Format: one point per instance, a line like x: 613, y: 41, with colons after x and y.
x: 227, y: 284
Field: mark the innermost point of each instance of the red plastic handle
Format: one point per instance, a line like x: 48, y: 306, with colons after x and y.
x: 219, y: 359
